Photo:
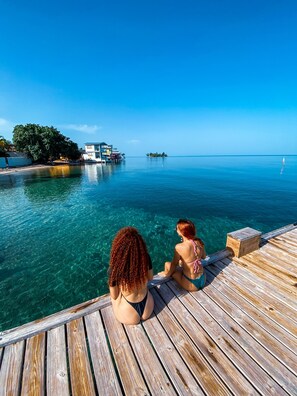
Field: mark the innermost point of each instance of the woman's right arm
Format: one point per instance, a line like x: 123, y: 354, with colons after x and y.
x: 203, y: 254
x: 173, y: 263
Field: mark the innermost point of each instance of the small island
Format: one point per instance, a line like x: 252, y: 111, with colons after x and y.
x: 156, y: 155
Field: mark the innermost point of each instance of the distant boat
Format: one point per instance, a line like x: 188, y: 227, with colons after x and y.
x: 283, y: 165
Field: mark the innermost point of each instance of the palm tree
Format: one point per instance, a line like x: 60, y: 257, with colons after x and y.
x: 4, y: 146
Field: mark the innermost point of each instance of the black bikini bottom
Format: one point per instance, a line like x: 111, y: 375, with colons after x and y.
x: 138, y: 306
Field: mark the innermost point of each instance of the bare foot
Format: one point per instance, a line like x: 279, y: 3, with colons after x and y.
x: 163, y: 274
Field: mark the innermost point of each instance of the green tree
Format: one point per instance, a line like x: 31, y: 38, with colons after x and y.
x: 156, y: 154
x: 43, y: 143
x: 4, y: 146
x: 70, y: 149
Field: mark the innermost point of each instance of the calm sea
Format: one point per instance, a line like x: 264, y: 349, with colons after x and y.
x: 57, y: 225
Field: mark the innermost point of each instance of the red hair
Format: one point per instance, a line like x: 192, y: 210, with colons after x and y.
x: 129, y: 260
x: 187, y: 229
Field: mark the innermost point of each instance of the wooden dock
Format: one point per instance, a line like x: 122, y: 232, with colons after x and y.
x: 238, y: 336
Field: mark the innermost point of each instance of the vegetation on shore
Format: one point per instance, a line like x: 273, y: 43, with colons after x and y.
x: 4, y: 146
x: 156, y: 154
x: 43, y: 143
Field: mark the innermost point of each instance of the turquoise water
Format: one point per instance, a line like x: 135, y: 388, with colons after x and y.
x: 56, y: 226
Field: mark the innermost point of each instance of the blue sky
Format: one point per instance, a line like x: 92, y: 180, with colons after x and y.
x: 186, y: 77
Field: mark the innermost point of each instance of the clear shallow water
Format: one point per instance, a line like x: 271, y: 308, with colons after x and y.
x: 57, y: 225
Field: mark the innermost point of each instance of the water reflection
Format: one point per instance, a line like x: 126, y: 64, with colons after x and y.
x: 61, y: 171
x: 7, y: 181
x: 283, y: 166
x: 156, y: 161
x: 54, y: 184
x: 96, y: 173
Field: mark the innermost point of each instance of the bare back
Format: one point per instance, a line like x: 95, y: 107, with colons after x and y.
x: 189, y: 251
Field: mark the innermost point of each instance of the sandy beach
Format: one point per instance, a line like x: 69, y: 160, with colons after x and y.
x: 6, y: 171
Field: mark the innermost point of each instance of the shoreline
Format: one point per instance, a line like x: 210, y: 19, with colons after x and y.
x: 5, y: 171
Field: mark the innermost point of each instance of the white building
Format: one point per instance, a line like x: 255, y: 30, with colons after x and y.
x: 97, y: 152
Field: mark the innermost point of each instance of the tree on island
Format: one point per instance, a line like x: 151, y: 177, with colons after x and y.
x: 43, y: 143
x: 156, y: 154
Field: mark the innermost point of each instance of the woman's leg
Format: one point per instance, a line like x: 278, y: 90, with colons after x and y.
x: 149, y: 306
x: 183, y: 282
x: 166, y: 269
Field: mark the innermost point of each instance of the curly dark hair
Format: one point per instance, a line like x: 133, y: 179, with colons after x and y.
x: 129, y: 260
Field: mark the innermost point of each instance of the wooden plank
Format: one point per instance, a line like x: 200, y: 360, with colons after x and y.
x: 275, y: 255
x: 250, y: 347
x: 288, y: 292
x: 272, y: 267
x: 270, y: 246
x: 157, y: 280
x: 284, y: 246
x: 11, y: 369
x: 294, y: 230
x: 178, y: 373
x: 260, y: 299
x: 212, y: 258
x: 205, y: 375
x: 33, y: 371
x: 56, y: 374
x: 275, y: 266
x: 286, y: 281
x: 249, y: 319
x: 279, y: 231
x: 217, y: 359
x: 156, y: 379
x: 288, y: 240
x: 289, y: 307
x: 104, y: 370
x: 80, y: 370
x: 41, y: 325
x: 130, y: 374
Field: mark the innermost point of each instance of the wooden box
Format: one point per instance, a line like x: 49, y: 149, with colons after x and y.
x: 243, y: 241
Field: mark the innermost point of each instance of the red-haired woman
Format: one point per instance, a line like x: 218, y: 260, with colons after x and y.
x: 188, y: 254
x: 130, y: 269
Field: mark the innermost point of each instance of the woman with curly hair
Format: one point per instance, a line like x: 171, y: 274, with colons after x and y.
x: 130, y: 269
x: 186, y: 267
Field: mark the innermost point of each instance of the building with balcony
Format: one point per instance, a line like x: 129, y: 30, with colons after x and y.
x: 101, y: 153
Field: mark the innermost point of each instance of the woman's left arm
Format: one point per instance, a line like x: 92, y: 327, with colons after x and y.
x: 114, y: 292
x: 150, y: 275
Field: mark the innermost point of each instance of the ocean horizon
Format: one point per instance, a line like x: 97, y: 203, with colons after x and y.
x: 57, y: 224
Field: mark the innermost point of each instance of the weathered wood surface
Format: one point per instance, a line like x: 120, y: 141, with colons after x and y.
x: 57, y: 319
x: 79, y: 363
x: 11, y: 369
x: 279, y: 231
x: 57, y: 374
x: 104, y: 370
x: 157, y: 382
x: 174, y: 366
x: 209, y: 360
x: 237, y: 336
x: 132, y: 379
x: 33, y: 370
